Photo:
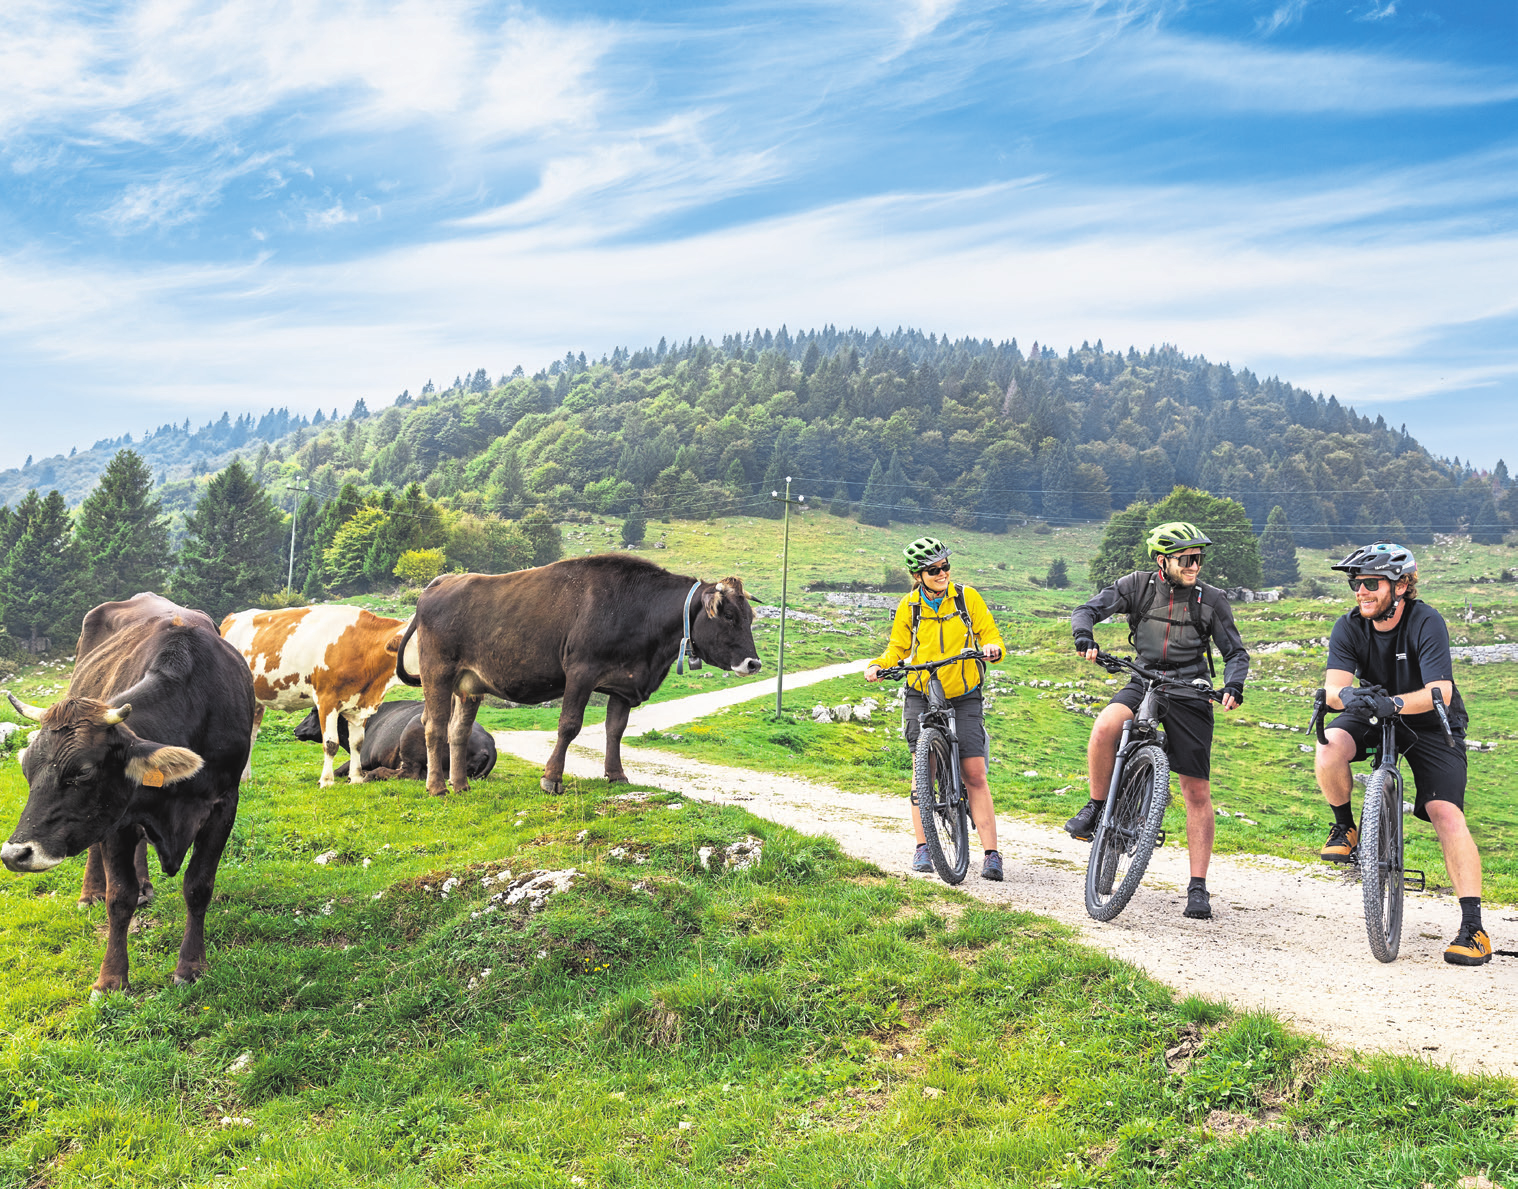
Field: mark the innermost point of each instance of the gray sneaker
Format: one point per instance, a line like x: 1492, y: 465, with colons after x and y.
x: 1084, y: 823
x: 920, y: 860
x: 990, y: 868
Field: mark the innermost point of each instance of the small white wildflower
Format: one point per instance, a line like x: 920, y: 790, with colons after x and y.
x: 367, y: 862
x: 327, y: 908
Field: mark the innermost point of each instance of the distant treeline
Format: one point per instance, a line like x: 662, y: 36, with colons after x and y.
x: 903, y: 427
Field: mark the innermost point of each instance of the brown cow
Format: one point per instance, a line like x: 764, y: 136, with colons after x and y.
x: 608, y: 624
x: 170, y: 777
x: 339, y: 660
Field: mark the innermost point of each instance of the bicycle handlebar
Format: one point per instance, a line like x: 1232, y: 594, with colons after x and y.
x: 897, y: 672
x: 1199, y: 685
x: 1319, y: 715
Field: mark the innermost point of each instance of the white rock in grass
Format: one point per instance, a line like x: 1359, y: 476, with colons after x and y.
x: 243, y: 1062
x: 534, y: 887
x: 861, y: 713
x: 842, y: 712
x: 821, y: 714
x: 324, y: 858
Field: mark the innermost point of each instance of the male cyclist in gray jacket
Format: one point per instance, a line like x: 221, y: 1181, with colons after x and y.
x: 1172, y: 616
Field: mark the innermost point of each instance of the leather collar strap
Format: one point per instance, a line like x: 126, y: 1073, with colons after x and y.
x: 687, y: 647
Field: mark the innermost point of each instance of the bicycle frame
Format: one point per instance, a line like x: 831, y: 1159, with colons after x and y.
x: 1143, y: 728
x: 1386, y: 754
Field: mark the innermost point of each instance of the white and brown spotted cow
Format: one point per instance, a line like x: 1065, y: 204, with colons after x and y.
x: 340, y: 660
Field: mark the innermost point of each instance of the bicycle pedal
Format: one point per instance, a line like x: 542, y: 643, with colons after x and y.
x: 1160, y: 841
x: 1407, y: 880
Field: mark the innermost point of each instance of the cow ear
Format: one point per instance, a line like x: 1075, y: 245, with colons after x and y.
x: 154, y: 766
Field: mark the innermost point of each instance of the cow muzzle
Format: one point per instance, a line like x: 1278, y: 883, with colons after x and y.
x: 27, y: 857
x: 746, y: 668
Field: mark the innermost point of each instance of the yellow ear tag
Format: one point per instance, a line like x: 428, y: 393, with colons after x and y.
x: 153, y: 778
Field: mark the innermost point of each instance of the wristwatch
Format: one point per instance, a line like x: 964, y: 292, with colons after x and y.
x: 1398, y: 703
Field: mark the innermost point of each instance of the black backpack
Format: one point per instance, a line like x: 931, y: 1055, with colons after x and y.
x: 1151, y: 592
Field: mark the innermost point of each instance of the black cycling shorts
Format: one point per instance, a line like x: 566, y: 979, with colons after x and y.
x: 1438, y: 769
x: 1188, y: 728
x: 969, y: 722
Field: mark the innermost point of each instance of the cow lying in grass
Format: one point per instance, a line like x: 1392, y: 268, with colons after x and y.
x: 395, y: 743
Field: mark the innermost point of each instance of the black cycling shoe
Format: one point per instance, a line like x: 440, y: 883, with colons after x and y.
x: 1199, y: 904
x: 1083, y: 824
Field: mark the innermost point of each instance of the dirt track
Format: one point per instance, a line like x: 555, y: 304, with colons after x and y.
x: 1284, y: 936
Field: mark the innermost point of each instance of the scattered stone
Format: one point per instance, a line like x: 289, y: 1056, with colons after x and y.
x: 325, y: 857
x: 243, y: 1062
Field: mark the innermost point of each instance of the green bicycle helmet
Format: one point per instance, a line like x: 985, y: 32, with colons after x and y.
x: 924, y: 552
x: 1175, y: 536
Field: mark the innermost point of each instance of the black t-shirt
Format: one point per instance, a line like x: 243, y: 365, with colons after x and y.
x: 1402, y: 660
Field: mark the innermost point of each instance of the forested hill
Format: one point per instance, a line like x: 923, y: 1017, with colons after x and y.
x: 906, y: 426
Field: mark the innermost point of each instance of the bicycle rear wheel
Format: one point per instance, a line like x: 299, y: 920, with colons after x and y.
x: 1127, y: 833
x: 1381, y: 877
x: 941, y: 806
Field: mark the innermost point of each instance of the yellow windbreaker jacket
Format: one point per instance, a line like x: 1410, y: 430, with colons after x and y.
x: 941, y: 633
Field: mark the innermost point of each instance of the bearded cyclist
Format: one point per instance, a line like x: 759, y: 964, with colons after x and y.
x: 938, y: 619
x: 1173, y: 616
x: 1399, y: 648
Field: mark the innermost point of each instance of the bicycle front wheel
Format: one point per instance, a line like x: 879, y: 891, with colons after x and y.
x: 1126, y: 836
x: 941, y: 806
x: 1381, y: 878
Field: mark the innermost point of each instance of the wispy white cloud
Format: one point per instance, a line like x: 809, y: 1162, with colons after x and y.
x: 179, y: 195
x: 1282, y: 17
x: 202, y: 69
x: 1378, y: 11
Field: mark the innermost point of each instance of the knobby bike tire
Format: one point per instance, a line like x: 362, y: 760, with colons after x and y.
x: 941, y: 806
x: 1381, y: 879
x: 1126, y: 835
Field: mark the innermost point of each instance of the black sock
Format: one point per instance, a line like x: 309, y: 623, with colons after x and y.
x: 1470, y: 912
x: 993, y: 852
x: 1197, y: 881
x: 1344, y: 815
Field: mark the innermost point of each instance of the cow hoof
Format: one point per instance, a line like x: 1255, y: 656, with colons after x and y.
x: 556, y: 787
x: 145, y: 896
x: 185, y: 978
x: 440, y: 792
x: 617, y: 778
x: 94, y: 898
x: 325, y: 783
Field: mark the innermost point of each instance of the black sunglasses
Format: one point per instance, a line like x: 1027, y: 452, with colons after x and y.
x: 940, y: 568
x: 1187, y: 560
x: 1358, y: 583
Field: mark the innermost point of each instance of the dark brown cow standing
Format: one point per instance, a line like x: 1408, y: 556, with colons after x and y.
x: 608, y: 624
x: 170, y: 778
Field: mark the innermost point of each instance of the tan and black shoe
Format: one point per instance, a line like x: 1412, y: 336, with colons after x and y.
x: 1341, y: 844
x: 1471, y: 947
x: 1084, y: 823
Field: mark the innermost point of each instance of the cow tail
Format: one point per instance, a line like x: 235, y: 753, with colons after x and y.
x: 400, y: 657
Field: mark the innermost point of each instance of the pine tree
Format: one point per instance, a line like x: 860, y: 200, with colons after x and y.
x: 122, y: 532
x: 42, y: 593
x: 840, y: 504
x: 1278, y: 551
x: 232, y: 549
x: 1059, y: 574
x: 872, y: 504
x: 634, y: 528
x: 1058, y: 486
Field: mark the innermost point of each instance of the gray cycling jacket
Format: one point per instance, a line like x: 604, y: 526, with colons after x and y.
x: 1166, y: 637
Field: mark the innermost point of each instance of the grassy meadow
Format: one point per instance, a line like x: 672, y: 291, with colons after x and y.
x: 806, y: 1022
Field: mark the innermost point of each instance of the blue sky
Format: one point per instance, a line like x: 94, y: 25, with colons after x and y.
x: 208, y: 206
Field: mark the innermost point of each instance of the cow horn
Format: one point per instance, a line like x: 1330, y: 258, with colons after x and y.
x: 34, y: 713
x: 120, y: 714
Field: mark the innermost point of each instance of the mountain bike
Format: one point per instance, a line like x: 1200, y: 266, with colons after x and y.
x: 1133, y: 815
x: 1379, y: 855
x: 938, y: 787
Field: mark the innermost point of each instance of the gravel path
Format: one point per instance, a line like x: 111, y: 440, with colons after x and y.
x: 1287, y: 937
